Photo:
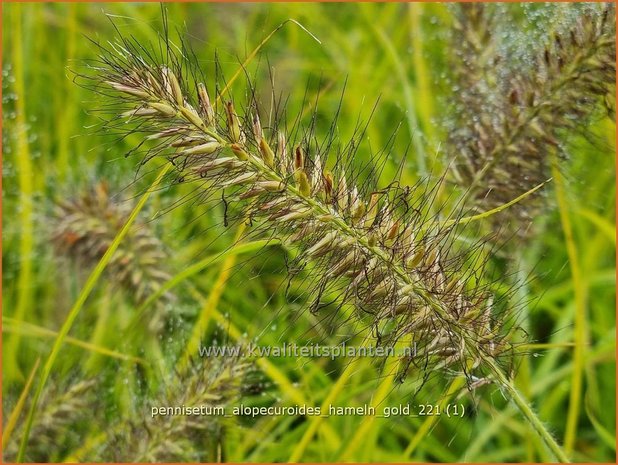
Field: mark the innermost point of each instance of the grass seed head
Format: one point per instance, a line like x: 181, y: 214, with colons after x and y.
x: 523, y: 111
x: 84, y: 228
x: 372, y: 248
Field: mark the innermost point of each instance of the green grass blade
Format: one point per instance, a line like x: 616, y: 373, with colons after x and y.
x: 579, y: 329
x: 26, y: 190
x: 28, y: 329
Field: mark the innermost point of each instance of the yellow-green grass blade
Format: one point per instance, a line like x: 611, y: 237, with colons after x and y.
x: 13, y: 326
x: 12, y: 421
x: 316, y: 421
x: 424, y: 93
x: 241, y: 70
x: 26, y: 191
x: 524, y: 407
x: 430, y: 420
x: 378, y: 397
x: 408, y: 92
x: 498, y: 209
x: 607, y: 437
x: 603, y: 225
x: 67, y: 111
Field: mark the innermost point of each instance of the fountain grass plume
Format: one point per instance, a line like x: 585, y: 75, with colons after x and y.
x: 213, y: 383
x: 53, y: 430
x: 511, y: 117
x: 381, y: 250
x: 84, y: 227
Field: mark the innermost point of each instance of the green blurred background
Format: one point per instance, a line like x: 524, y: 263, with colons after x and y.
x: 398, y: 53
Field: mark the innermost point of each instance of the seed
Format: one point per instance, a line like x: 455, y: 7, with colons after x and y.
x: 140, y: 112
x: 272, y: 186
x: 267, y: 154
x: 303, y: 183
x: 358, y: 212
x: 275, y: 204
x: 317, y: 175
x: 372, y: 211
x: 342, y: 194
x: 233, y: 124
x: 203, y: 149
x: 261, y: 187
x: 430, y: 258
x: 129, y: 90
x: 190, y: 114
x: 414, y: 259
x: 302, y: 233
x: 153, y: 84
x: 328, y: 186
x: 324, y: 218
x: 239, y: 152
x: 407, y: 238
x: 225, y: 162
x: 242, y: 179
x: 164, y: 134
x: 163, y: 108
x: 348, y: 263
x: 281, y: 146
x: 299, y: 158
x: 381, y: 289
x: 172, y: 85
x: 392, y: 233
x: 323, y: 245
x: 454, y: 284
x: 257, y: 128
x: 187, y: 141
x: 207, y: 109
x: 296, y: 215
x: 253, y: 192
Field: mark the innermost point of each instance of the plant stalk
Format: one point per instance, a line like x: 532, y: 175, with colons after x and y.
x: 524, y: 408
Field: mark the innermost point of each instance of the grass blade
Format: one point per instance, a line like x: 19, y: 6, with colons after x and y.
x: 26, y: 190
x: 581, y: 297
x: 20, y: 327
x: 12, y: 421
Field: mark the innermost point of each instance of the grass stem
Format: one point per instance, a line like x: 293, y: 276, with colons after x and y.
x: 524, y: 407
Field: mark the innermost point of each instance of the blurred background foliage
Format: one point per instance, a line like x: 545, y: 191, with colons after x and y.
x: 397, y: 53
